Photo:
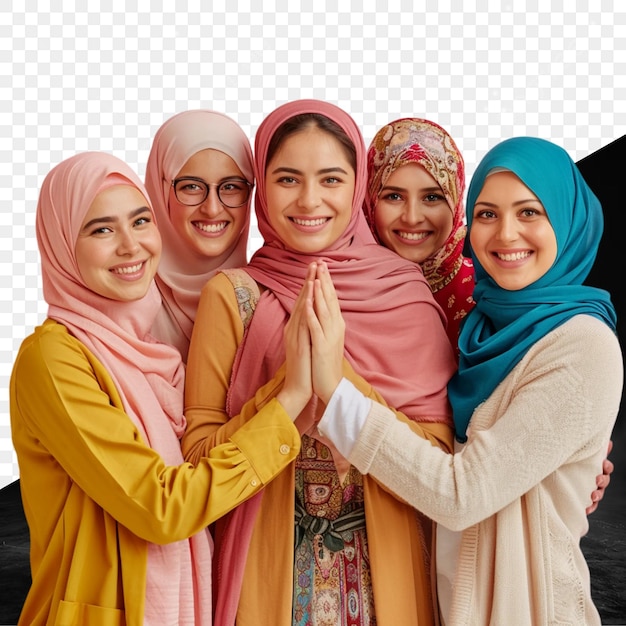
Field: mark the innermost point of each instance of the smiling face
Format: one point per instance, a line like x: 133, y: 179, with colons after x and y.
x: 118, y: 246
x: 511, y: 234
x: 209, y: 229
x: 412, y: 216
x: 309, y: 186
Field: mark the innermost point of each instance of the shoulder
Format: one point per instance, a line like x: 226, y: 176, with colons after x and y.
x: 51, y: 346
x: 49, y: 341
x: 585, y: 347
x: 232, y: 289
x: 588, y: 333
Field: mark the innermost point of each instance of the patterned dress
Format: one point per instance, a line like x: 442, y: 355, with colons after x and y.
x: 332, y: 580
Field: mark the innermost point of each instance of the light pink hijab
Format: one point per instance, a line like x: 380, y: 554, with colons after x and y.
x: 389, y: 340
x: 182, y: 274
x: 148, y: 375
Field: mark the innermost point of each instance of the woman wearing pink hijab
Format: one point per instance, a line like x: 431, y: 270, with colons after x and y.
x: 199, y: 177
x: 117, y: 520
x: 342, y: 550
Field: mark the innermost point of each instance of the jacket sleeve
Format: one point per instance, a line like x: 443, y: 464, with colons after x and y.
x: 67, y: 417
x: 217, y: 333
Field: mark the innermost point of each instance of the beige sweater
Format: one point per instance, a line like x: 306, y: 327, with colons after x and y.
x: 520, y: 486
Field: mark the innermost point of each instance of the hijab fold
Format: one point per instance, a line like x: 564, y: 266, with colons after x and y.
x: 504, y: 325
x: 148, y: 375
x: 182, y: 273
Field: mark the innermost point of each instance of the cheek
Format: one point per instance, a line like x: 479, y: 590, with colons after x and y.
x: 382, y: 217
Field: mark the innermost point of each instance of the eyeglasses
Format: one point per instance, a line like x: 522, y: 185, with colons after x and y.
x: 192, y: 191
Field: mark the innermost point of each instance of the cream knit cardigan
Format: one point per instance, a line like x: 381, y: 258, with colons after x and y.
x: 520, y: 486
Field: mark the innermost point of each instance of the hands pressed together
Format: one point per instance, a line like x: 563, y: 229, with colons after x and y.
x: 314, y: 342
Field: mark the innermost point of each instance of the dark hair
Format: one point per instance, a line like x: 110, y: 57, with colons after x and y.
x: 300, y: 122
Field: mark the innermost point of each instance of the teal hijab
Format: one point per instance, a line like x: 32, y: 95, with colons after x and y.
x: 503, y: 325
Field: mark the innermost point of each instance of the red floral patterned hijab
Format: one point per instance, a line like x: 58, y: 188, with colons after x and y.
x: 416, y: 140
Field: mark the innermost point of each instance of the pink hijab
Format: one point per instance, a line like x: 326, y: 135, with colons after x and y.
x: 148, y: 375
x: 376, y: 288
x: 389, y: 340
x: 182, y: 274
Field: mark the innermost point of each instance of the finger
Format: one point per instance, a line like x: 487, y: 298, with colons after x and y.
x: 328, y: 289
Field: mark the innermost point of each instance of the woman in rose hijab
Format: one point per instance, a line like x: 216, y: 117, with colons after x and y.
x: 117, y: 520
x: 322, y: 544
x: 199, y: 177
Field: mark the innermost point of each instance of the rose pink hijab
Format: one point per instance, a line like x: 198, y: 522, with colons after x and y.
x: 182, y: 274
x: 148, y: 375
x: 403, y: 354
x: 376, y: 289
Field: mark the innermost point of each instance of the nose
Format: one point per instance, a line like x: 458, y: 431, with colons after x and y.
x: 128, y: 243
x: 309, y: 197
x: 412, y: 212
x: 212, y: 205
x: 508, y: 228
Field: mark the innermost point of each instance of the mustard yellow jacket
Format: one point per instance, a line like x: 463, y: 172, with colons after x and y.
x: 94, y: 494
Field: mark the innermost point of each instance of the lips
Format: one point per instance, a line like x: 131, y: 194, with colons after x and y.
x: 128, y: 269
x: 407, y: 236
x: 213, y: 227
x: 513, y: 256
x: 311, y: 223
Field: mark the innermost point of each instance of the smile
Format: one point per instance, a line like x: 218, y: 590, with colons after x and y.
x: 314, y: 222
x: 129, y: 269
x: 211, y: 228
x: 513, y: 256
x: 411, y: 236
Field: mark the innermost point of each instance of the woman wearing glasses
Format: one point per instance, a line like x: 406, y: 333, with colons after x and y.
x: 199, y: 177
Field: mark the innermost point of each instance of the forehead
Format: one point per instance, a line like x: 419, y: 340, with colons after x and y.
x: 311, y: 145
x: 209, y: 161
x: 116, y: 200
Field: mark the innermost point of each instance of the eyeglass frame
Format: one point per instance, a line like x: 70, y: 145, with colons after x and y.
x: 208, y: 189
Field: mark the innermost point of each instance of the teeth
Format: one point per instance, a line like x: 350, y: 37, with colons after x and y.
x: 412, y: 236
x: 318, y: 222
x: 128, y: 270
x: 212, y: 228
x: 514, y: 256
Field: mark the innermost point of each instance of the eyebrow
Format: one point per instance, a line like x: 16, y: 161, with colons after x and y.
x: 518, y: 202
x: 111, y: 220
x: 435, y: 188
x: 327, y: 170
x: 221, y: 180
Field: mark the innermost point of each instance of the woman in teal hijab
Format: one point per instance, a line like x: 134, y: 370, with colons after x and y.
x: 534, y: 401
x: 506, y: 323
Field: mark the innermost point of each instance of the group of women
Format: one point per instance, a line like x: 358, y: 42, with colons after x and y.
x: 357, y: 426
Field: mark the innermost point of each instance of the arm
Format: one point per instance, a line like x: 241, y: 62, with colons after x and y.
x: 513, y: 441
x: 68, y: 418
x: 217, y: 333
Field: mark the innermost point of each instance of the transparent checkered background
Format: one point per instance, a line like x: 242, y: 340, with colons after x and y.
x: 105, y: 79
